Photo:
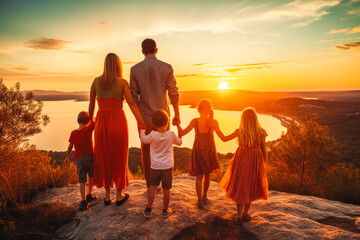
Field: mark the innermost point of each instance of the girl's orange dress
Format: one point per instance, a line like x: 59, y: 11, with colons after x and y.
x: 111, y: 139
x: 245, y: 179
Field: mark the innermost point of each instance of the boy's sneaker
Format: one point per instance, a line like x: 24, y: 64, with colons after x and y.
x: 91, y: 197
x: 84, y: 205
x: 167, y: 212
x: 147, y: 212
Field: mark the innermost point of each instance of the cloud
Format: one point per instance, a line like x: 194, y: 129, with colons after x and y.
x: 346, y: 30
x: 18, y: 71
x: 103, y: 23
x: 339, y: 31
x: 187, y: 75
x: 199, y: 64
x: 20, y: 68
x: 347, y: 46
x: 238, y: 69
x: 257, y: 64
x: 46, y: 43
x: 353, y: 12
x: 251, y: 66
x: 354, y: 30
x: 306, y: 11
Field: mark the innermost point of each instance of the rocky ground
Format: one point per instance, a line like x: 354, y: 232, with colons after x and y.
x: 283, y: 216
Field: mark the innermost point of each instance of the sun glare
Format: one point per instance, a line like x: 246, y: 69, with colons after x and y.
x: 223, y: 85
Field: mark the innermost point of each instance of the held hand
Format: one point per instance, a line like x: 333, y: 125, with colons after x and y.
x: 66, y: 161
x: 176, y: 121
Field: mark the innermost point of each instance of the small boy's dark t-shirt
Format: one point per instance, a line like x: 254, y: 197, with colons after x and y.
x: 82, y: 140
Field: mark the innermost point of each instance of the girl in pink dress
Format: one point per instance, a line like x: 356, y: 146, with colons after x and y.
x: 245, y: 179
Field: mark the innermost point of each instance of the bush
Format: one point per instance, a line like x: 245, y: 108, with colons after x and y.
x: 34, y: 221
x: 343, y: 183
x: 23, y: 173
x: 305, y: 160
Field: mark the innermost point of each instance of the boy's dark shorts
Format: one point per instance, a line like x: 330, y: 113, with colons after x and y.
x: 165, y: 176
x: 85, y: 165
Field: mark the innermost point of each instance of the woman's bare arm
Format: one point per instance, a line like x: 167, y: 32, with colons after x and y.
x: 134, y: 108
x: 92, y: 102
x: 220, y: 133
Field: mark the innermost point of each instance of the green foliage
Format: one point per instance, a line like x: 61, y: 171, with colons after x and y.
x: 20, y: 116
x: 304, y: 152
x: 305, y: 160
x: 342, y: 183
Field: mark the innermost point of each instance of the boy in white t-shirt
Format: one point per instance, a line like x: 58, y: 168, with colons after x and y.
x: 162, y: 159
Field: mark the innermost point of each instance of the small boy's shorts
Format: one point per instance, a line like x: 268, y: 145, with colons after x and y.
x: 165, y: 176
x: 85, y: 166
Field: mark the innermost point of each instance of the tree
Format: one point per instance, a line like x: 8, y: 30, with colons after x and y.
x: 20, y: 116
x: 305, y: 151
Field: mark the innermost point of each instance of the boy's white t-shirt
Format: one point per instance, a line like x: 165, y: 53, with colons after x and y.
x: 161, y: 148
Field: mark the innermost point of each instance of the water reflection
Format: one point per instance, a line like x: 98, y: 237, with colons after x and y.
x: 63, y: 119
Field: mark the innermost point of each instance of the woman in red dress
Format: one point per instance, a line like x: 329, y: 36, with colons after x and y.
x: 111, y: 130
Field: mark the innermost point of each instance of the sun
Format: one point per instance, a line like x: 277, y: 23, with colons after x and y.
x: 223, y: 85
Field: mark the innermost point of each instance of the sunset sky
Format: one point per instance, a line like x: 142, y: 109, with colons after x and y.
x: 251, y: 45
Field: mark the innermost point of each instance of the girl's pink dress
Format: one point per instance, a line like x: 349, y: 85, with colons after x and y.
x: 245, y: 179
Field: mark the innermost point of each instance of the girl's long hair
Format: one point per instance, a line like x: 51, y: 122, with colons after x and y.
x: 250, y: 129
x: 112, y: 71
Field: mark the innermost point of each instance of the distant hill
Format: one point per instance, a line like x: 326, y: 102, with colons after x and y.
x: 192, y: 97
x: 46, y: 95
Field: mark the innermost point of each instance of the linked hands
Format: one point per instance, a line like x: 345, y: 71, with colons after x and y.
x: 176, y: 121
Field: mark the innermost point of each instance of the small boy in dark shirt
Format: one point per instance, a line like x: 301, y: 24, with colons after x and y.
x: 82, y: 139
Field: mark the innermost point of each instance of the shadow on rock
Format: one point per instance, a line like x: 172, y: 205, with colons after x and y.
x: 218, y: 228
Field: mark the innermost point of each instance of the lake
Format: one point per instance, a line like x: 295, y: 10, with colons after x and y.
x: 63, y: 119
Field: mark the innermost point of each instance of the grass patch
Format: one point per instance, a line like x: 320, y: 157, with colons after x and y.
x: 27, y: 222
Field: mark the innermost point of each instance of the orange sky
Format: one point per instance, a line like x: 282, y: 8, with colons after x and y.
x: 250, y: 45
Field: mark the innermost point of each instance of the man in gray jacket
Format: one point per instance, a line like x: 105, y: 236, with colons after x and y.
x: 150, y: 79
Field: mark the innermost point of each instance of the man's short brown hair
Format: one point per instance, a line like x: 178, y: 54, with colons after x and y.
x: 83, y: 117
x: 160, y: 118
x: 148, y: 46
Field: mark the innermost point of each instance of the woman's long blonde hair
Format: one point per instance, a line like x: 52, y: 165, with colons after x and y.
x: 250, y: 129
x: 112, y: 71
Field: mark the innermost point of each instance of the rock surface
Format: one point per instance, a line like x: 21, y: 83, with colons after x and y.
x: 283, y: 216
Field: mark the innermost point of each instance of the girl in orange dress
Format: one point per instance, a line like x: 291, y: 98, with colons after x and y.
x: 204, y: 159
x: 245, y: 179
x: 111, y: 130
